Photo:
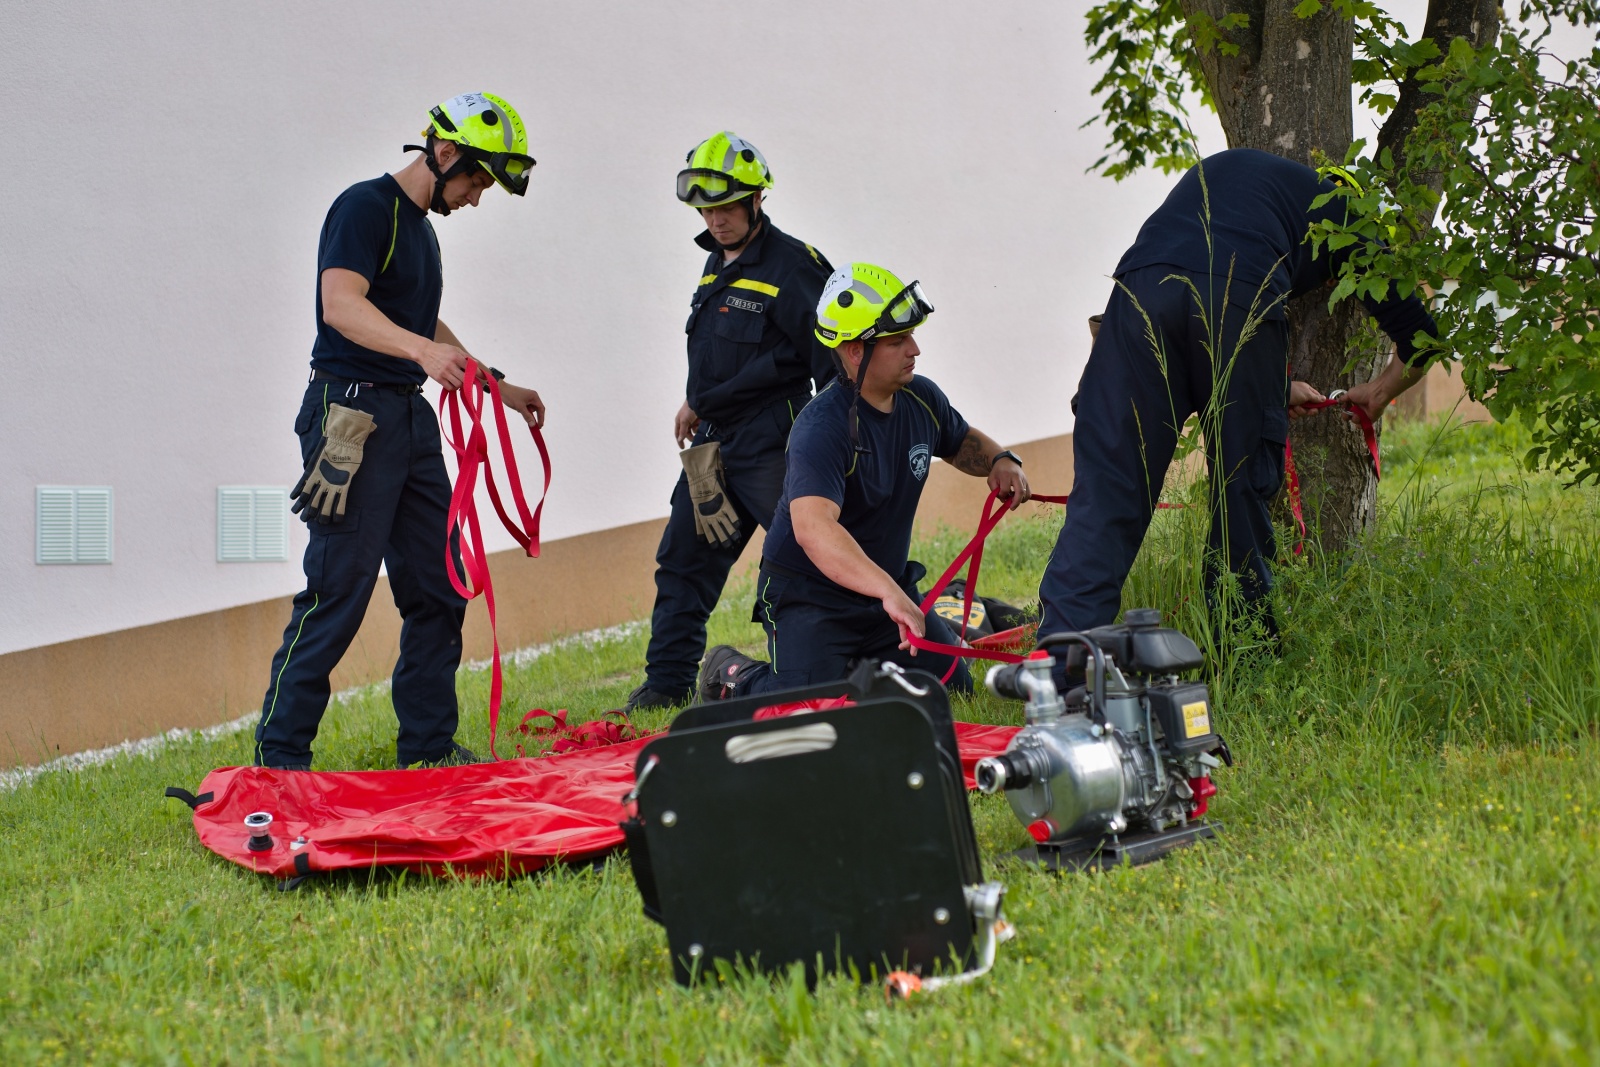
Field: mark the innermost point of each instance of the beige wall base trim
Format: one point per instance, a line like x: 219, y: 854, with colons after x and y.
x: 206, y: 669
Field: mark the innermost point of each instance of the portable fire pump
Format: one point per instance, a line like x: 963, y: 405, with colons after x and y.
x: 1119, y: 769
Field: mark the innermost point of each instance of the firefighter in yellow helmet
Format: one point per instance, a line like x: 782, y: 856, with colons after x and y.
x: 753, y: 362
x: 375, y: 490
x: 836, y: 582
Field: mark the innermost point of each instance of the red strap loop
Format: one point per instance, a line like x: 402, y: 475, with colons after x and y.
x: 472, y: 458
x: 1368, y: 432
x: 994, y: 509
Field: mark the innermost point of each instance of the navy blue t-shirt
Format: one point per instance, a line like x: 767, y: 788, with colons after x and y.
x: 1260, y: 213
x: 877, y: 492
x: 379, y: 232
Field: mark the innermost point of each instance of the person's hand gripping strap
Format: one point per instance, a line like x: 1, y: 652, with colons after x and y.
x: 325, y: 486
x: 714, y: 517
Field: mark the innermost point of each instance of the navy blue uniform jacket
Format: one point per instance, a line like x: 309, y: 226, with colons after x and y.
x: 751, y: 324
x: 1260, y: 212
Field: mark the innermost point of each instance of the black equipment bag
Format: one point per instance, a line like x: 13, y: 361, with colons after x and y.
x: 840, y: 839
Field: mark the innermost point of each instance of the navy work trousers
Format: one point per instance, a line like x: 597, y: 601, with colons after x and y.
x: 1132, y: 404
x: 816, y: 631
x: 690, y: 571
x: 396, y: 515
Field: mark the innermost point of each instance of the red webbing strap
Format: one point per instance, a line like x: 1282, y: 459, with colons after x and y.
x: 1368, y: 433
x: 972, y: 557
x: 989, y: 519
x: 612, y: 728
x: 472, y: 458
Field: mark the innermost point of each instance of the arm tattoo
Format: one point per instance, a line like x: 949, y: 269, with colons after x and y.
x: 969, y: 458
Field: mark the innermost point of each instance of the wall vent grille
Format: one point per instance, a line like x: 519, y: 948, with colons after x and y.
x: 252, y: 524
x: 72, y: 524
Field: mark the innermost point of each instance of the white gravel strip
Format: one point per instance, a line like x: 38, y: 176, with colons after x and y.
x: 149, y: 746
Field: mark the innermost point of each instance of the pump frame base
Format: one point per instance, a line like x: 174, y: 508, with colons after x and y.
x: 1103, y: 853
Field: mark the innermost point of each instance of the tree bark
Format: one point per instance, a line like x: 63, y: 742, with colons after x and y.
x: 1288, y: 91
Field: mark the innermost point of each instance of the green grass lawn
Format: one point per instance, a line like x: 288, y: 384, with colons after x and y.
x: 1410, y: 870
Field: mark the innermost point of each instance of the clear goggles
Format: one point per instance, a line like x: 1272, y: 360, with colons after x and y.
x: 699, y: 187
x: 908, y: 310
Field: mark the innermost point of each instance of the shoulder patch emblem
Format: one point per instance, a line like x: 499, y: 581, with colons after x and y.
x: 745, y: 305
x: 919, y: 461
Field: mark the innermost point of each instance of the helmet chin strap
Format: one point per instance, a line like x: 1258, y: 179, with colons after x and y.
x: 460, y: 166
x: 855, y: 401
x: 755, y: 221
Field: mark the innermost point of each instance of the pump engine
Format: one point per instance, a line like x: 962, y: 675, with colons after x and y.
x: 1119, y: 769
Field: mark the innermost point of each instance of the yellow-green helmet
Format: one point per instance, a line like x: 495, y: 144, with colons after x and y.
x: 721, y: 169
x: 862, y: 302
x: 1388, y: 212
x: 488, y: 132
x: 1341, y: 176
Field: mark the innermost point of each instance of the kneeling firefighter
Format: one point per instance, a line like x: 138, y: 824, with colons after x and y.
x: 836, y: 582
x: 753, y: 360
x: 375, y: 490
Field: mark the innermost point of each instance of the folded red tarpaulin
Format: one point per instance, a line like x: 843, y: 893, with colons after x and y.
x: 499, y: 818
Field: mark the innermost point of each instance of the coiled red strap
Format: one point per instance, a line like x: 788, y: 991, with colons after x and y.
x: 472, y: 459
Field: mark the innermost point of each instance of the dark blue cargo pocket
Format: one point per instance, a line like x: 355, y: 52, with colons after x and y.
x: 307, y: 427
x: 735, y: 340
x: 331, y: 563
x: 1266, y: 466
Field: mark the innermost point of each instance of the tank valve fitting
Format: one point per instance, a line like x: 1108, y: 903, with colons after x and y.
x: 257, y: 823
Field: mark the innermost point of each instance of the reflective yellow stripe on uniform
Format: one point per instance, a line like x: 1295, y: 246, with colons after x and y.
x: 708, y: 279
x: 394, y: 231
x: 937, y: 428
x: 760, y: 287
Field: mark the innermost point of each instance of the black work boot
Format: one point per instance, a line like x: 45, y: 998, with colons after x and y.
x: 458, y: 756
x: 721, y: 672
x: 647, y: 698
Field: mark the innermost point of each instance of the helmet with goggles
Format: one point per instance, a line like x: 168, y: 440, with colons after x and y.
x: 862, y: 302
x: 721, y: 169
x: 487, y: 132
x: 865, y: 303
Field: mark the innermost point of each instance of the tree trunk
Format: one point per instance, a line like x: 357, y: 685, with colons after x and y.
x: 1288, y: 91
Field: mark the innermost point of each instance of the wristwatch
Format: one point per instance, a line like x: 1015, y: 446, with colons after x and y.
x: 498, y: 374
x: 1006, y: 454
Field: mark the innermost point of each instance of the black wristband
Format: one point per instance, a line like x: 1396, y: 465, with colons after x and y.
x: 1005, y: 454
x: 497, y: 374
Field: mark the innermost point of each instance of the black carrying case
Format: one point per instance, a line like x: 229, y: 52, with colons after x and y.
x: 853, y: 853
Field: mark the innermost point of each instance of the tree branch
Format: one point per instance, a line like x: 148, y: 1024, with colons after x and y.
x: 1476, y: 20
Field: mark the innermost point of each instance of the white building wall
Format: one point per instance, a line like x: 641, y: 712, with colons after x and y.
x: 171, y: 166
